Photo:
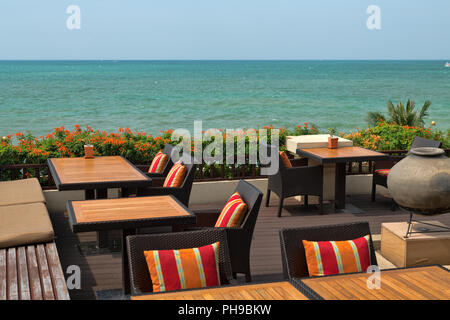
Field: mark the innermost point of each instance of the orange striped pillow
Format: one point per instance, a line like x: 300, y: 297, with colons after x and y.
x: 233, y: 212
x: 158, y: 163
x: 333, y: 257
x: 184, y: 268
x: 285, y: 159
x: 175, y: 176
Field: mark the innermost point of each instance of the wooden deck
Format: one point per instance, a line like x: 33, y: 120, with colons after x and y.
x: 102, y: 272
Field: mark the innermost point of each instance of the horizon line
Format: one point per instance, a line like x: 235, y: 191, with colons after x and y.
x: 21, y: 60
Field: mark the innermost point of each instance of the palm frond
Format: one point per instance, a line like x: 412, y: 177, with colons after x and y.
x: 372, y: 118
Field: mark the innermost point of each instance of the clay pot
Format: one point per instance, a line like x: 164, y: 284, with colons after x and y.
x: 421, y: 181
x: 332, y: 142
x: 88, y: 151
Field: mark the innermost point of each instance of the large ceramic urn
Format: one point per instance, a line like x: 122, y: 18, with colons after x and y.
x: 421, y: 181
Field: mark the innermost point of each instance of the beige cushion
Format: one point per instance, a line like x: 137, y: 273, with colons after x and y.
x: 24, y: 224
x: 20, y: 192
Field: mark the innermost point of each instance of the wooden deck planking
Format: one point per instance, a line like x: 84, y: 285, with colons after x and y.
x: 100, y: 272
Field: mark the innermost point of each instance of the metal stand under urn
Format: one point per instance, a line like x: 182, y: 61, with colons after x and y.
x: 420, y: 184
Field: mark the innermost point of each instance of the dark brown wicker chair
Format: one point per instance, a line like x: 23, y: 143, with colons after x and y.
x: 168, y: 149
x: 295, y: 181
x: 182, y: 193
x: 140, y: 279
x: 239, y: 238
x: 293, y: 252
x: 379, y: 166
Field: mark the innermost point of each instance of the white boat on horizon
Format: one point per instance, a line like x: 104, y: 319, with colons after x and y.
x: 447, y: 64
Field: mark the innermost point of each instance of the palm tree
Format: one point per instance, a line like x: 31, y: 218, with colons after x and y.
x: 401, y: 115
x: 373, y: 118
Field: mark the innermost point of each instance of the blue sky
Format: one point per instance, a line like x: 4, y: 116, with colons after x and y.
x: 224, y: 29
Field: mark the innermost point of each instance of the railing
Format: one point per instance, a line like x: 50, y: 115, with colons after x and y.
x: 204, y: 172
x: 366, y: 167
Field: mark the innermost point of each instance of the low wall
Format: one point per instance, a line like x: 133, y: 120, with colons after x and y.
x: 209, y: 192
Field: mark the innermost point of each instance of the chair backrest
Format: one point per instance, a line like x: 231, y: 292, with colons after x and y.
x: 140, y: 279
x: 168, y: 149
x: 422, y: 142
x: 186, y: 186
x: 252, y: 197
x: 293, y: 251
x: 274, y: 150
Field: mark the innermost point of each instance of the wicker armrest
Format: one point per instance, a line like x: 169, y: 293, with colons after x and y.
x: 157, y: 176
x: 157, y: 181
x: 206, y: 218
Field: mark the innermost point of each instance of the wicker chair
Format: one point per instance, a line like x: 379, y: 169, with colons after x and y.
x: 168, y: 150
x: 293, y: 252
x: 382, y: 168
x: 140, y: 279
x: 289, y: 182
x: 239, y: 238
x: 182, y: 193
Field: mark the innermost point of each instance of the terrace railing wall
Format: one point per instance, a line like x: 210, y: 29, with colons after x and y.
x: 205, y: 171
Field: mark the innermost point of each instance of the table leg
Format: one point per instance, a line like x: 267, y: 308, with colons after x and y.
x: 102, y: 193
x: 339, y: 187
x: 125, y: 265
x: 125, y: 193
x: 89, y: 194
x: 102, y: 236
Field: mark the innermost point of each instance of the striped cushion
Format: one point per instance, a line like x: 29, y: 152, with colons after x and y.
x: 285, y: 159
x: 175, y: 176
x: 233, y: 212
x: 158, y: 163
x: 383, y: 172
x: 184, y: 268
x: 332, y: 257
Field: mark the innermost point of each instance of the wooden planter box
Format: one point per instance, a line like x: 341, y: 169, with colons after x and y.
x: 418, y: 249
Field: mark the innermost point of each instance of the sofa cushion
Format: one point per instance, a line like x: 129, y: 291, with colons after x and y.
x: 332, y: 257
x: 158, y: 163
x: 175, y: 177
x: 286, y: 161
x: 20, y: 192
x: 233, y: 213
x: 24, y: 224
x: 184, y: 268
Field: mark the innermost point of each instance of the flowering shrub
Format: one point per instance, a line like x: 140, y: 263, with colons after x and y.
x: 138, y: 147
x: 389, y: 136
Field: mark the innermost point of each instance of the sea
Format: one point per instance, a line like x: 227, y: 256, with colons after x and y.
x: 150, y: 96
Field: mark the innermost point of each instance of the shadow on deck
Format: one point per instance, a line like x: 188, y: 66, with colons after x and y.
x: 103, y: 272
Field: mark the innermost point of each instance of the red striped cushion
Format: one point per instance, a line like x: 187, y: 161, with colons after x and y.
x: 184, y: 268
x: 175, y: 176
x: 383, y: 172
x: 333, y: 257
x: 286, y: 161
x: 158, y: 163
x: 233, y: 212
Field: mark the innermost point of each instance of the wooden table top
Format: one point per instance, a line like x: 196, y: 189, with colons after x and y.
x: 342, y: 154
x: 420, y: 283
x: 262, y: 291
x: 114, y: 171
x: 123, y: 210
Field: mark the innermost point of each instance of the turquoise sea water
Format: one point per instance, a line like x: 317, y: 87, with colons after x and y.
x: 156, y: 95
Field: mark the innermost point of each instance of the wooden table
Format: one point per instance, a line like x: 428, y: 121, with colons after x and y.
x: 418, y: 283
x: 95, y: 176
x: 262, y: 291
x: 340, y: 156
x: 127, y: 214
x: 99, y: 173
